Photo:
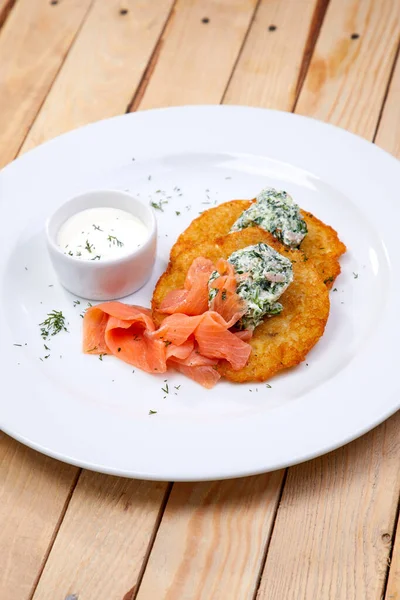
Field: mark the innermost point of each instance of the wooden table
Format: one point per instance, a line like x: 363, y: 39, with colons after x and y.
x: 324, y: 530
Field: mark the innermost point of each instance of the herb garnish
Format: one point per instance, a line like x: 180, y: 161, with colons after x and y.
x: 88, y: 246
x: 166, y: 389
x: 114, y: 240
x: 329, y: 280
x: 76, y: 302
x: 158, y: 205
x: 177, y: 213
x: 54, y: 323
x: 152, y: 412
x: 96, y: 227
x: 355, y: 275
x: 268, y: 385
x: 97, y: 257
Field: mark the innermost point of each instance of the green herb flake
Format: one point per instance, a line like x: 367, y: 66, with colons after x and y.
x: 152, y: 412
x: 53, y: 324
x: 88, y: 246
x: 101, y: 357
x: 20, y: 345
x: 159, y: 205
x: 76, y: 302
x: 328, y: 280
x: 96, y: 227
x: 166, y: 389
x: 355, y: 275
x: 268, y: 385
x: 114, y: 241
x: 334, y: 290
x: 177, y: 213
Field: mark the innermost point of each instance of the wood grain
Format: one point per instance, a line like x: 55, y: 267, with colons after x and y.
x: 388, y: 135
x: 33, y: 493
x: 211, y: 540
x: 29, y: 479
x: 33, y: 44
x: 103, y: 539
x: 393, y: 588
x: 270, y: 65
x: 336, y: 516
x: 5, y: 7
x: 346, y: 81
x: 335, y: 521
x: 193, y: 66
x: 104, y: 67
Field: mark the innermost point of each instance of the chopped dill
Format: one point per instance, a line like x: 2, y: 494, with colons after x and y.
x: 159, y: 205
x: 114, y: 240
x: 88, y: 247
x: 53, y: 324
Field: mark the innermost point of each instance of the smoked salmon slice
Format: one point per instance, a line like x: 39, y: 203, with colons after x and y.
x: 193, y: 299
x: 227, y: 302
x: 191, y: 339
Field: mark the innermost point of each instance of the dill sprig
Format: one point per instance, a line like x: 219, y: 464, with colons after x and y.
x: 88, y: 246
x: 113, y: 240
x: 53, y: 324
x: 159, y: 205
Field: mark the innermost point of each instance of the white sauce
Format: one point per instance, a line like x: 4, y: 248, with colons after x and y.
x: 101, y: 233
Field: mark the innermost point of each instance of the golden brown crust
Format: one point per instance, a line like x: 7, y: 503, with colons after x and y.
x: 281, y: 341
x: 321, y: 244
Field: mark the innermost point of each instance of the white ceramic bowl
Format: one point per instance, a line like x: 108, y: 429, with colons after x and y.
x: 111, y: 278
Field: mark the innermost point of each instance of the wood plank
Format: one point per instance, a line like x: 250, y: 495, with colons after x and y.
x: 211, y: 540
x: 212, y: 537
x: 335, y: 516
x: 35, y: 489
x: 347, y: 78
x: 193, y: 66
x: 388, y: 135
x: 5, y: 7
x: 33, y: 44
x: 393, y: 588
x: 33, y: 495
x: 109, y: 524
x: 270, y: 67
x: 94, y: 85
x: 337, y: 513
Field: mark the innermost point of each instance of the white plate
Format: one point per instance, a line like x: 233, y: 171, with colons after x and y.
x: 96, y: 413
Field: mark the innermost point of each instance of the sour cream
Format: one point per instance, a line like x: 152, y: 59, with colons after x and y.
x: 101, y: 233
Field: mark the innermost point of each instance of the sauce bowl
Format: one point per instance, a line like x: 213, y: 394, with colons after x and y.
x: 109, y: 278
